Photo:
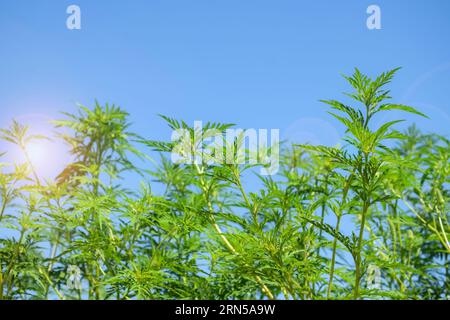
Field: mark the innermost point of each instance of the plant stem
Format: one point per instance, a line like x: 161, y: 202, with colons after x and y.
x: 333, y: 258
x: 2, y: 211
x: 339, y: 216
x: 1, y: 284
x: 265, y: 289
x: 358, y: 251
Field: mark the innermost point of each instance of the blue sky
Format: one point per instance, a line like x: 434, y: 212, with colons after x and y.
x: 256, y: 63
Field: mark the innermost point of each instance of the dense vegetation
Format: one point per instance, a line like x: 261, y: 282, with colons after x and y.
x: 205, y: 236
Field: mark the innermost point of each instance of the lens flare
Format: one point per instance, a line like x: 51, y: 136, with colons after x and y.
x: 38, y: 151
x: 47, y: 157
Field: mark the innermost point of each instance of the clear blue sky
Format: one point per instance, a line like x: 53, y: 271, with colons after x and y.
x: 257, y: 63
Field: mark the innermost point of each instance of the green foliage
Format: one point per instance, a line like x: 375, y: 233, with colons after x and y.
x: 206, y: 236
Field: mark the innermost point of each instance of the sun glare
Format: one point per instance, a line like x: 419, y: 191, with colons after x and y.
x: 39, y: 152
x: 48, y: 157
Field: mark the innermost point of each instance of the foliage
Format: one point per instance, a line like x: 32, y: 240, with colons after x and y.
x: 206, y: 236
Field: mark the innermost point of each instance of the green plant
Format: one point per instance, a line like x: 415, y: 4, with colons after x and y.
x: 202, y: 230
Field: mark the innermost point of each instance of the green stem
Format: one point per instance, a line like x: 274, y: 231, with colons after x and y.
x: 339, y: 215
x: 265, y: 289
x: 1, y: 284
x: 357, y: 258
x: 2, y: 211
x: 333, y: 258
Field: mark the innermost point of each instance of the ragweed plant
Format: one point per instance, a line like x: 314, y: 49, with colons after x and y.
x: 368, y: 219
x: 365, y: 160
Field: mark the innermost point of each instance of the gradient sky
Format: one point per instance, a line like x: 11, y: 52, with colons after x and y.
x: 256, y: 63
